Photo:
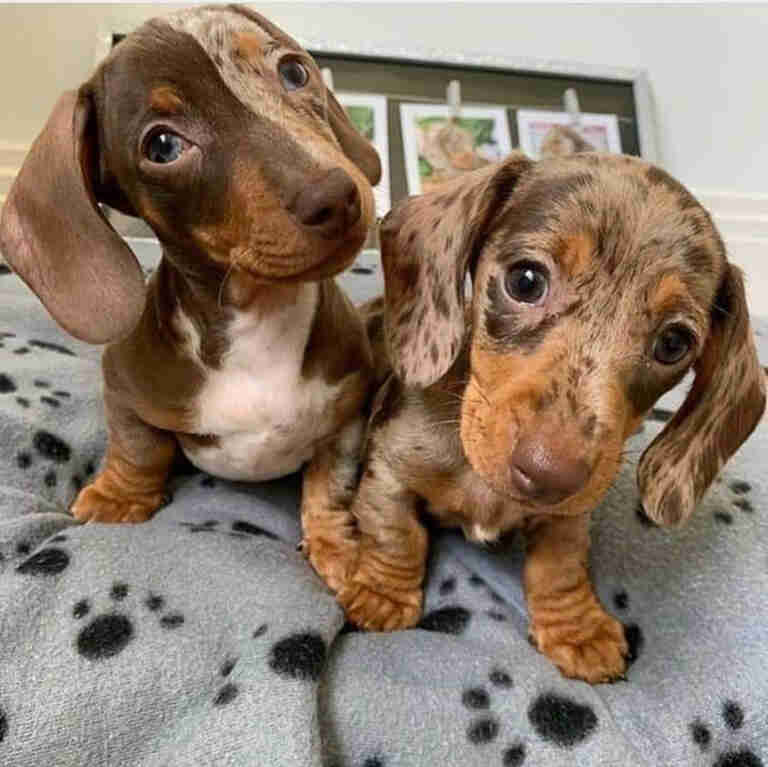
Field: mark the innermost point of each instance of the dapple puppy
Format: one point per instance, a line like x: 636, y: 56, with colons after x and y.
x: 598, y: 282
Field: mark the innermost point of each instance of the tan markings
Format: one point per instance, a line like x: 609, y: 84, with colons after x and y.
x: 670, y: 292
x: 568, y: 623
x: 251, y: 46
x: 330, y: 536
x: 575, y: 254
x: 125, y: 491
x: 499, y: 409
x: 165, y: 99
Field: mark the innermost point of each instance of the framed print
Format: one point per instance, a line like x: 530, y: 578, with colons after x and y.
x: 368, y: 113
x: 438, y: 147
x: 535, y: 127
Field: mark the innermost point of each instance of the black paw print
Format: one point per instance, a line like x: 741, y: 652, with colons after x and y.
x: 229, y: 689
x: 485, y: 727
x: 733, y: 717
x: 495, y: 613
x: 555, y: 718
x: 56, y: 451
x: 740, y: 501
x: 109, y: 633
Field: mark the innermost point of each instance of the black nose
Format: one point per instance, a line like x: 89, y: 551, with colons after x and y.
x: 545, y: 474
x: 329, y: 206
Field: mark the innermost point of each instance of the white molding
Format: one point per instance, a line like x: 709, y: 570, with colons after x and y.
x: 751, y: 255
x: 726, y: 203
x: 738, y: 216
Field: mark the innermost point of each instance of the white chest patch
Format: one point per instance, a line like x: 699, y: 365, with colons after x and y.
x: 266, y: 418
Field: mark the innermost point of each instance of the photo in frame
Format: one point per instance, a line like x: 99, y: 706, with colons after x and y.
x: 368, y: 113
x: 536, y: 127
x: 438, y: 147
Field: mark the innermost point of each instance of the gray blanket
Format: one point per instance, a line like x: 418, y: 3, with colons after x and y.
x: 202, y: 637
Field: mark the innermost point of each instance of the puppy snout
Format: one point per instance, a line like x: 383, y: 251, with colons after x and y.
x: 546, y: 473
x: 329, y: 206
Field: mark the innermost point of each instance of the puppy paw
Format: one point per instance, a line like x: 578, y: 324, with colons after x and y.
x: 333, y: 562
x: 375, y: 608
x: 594, y: 649
x: 93, y: 505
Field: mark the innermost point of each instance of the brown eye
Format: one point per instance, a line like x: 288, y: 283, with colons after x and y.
x: 163, y: 148
x: 527, y: 282
x: 672, y: 344
x: 293, y: 74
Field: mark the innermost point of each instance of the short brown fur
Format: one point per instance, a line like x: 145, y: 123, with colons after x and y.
x: 235, y: 246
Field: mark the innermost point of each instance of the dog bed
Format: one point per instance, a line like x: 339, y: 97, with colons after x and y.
x: 203, y: 638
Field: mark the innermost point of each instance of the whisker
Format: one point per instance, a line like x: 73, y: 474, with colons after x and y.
x: 224, y: 281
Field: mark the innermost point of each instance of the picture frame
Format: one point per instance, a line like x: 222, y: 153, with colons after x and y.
x: 368, y: 113
x: 438, y: 146
x: 601, y: 131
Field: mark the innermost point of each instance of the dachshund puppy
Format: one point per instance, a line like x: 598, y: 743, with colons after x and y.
x: 598, y: 282
x: 214, y: 127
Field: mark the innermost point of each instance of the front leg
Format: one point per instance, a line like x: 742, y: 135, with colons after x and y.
x: 131, y: 485
x: 567, y: 622
x: 385, y: 591
x: 329, y: 531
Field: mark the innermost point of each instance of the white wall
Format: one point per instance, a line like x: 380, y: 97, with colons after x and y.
x: 707, y: 66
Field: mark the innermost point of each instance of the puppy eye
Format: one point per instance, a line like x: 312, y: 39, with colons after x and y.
x: 294, y: 74
x: 672, y: 344
x: 164, y: 148
x: 527, y: 282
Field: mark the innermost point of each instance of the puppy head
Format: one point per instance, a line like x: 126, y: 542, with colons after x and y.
x: 213, y: 126
x: 598, y: 282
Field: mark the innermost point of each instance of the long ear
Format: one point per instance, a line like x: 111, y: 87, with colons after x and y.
x: 724, y: 405
x: 427, y: 245
x: 56, y: 238
x: 355, y: 145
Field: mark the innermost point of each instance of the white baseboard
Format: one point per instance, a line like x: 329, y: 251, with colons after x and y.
x: 743, y: 222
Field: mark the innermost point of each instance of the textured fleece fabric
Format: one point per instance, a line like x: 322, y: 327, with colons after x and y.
x: 203, y: 638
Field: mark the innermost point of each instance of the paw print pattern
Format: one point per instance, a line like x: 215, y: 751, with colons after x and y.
x: 740, y: 502
x: 555, y: 718
x: 47, y: 562
x: 733, y: 717
x: 56, y: 452
x: 632, y: 632
x: 109, y: 633
x: 485, y: 726
x: 495, y: 614
x: 299, y: 656
x: 238, y: 529
x: 454, y: 619
x: 446, y: 620
x: 229, y: 690
x: 8, y: 385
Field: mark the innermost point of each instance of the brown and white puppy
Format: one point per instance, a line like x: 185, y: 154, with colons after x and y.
x: 598, y: 282
x: 214, y: 127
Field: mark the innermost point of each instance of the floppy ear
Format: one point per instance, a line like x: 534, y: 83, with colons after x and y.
x: 427, y: 245
x: 724, y: 405
x: 355, y: 145
x: 56, y: 238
